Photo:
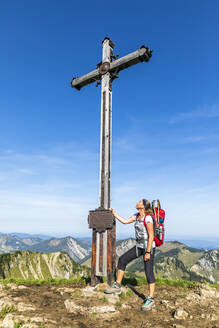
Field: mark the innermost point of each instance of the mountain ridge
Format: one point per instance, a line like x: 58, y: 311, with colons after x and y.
x: 72, y: 246
x: 175, y: 260
x: 35, y: 265
x: 172, y: 260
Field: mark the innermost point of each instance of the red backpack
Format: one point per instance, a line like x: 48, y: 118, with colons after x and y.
x: 158, y: 221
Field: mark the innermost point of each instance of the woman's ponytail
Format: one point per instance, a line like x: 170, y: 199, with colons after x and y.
x: 147, y: 206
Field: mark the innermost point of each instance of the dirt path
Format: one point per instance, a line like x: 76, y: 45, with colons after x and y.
x: 49, y: 307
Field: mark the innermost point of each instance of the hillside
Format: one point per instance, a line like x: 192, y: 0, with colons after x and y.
x: 33, y: 265
x: 176, y: 261
x: 172, y: 260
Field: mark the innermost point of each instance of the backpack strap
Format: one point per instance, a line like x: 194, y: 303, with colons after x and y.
x: 154, y: 223
x: 156, y: 219
x: 158, y: 210
x: 153, y: 206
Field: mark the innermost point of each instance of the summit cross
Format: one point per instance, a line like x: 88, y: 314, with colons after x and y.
x: 101, y: 220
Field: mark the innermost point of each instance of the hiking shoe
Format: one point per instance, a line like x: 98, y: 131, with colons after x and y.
x: 149, y: 304
x: 114, y: 289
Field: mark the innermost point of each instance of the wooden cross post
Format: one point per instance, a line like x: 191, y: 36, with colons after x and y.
x: 101, y: 220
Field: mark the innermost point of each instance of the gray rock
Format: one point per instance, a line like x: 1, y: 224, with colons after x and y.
x: 10, y: 319
x: 25, y: 307
x: 207, y: 292
x: 102, y: 309
x: 167, y: 304
x: 72, y: 307
x: 88, y: 291
x: 180, y: 314
x: 112, y: 298
x: 213, y: 316
x: 5, y: 301
x: 37, y: 319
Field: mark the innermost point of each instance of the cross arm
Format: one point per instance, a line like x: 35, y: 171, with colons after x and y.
x: 86, y: 79
x: 141, y: 55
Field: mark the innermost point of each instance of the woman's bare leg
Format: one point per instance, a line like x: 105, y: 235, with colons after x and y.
x: 120, y: 275
x: 151, y: 288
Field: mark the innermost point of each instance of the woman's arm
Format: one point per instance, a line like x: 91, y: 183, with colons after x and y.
x: 150, y: 231
x: 122, y: 220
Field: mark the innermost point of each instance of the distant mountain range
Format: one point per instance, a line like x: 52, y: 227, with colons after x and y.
x: 76, y: 249
x: 205, y: 243
x: 173, y: 259
x: 27, y: 235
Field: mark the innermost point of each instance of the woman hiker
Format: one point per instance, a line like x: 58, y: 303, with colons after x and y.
x: 145, y: 246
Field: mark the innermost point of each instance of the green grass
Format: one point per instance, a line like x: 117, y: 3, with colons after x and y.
x: 176, y: 283
x: 125, y: 296
x: 183, y: 283
x: 180, y: 295
x: 118, y: 303
x: 214, y: 285
x: 104, y: 299
x: 94, y: 314
x: 52, y: 281
x: 76, y: 294
x: 128, y: 279
x: 140, y: 280
x: 7, y: 309
x: 19, y: 324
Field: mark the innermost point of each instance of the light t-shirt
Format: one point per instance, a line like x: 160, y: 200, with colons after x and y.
x: 141, y: 232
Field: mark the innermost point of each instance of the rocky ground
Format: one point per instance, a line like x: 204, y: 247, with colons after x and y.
x: 79, y: 306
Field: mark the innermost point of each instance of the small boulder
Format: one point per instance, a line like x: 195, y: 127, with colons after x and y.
x: 207, y: 292
x: 125, y: 306
x: 88, y: 291
x: 193, y: 297
x: 25, y: 307
x: 102, y: 309
x: 166, y: 304
x: 101, y: 287
x: 112, y: 298
x: 72, y: 307
x: 213, y: 316
x: 37, y: 319
x: 11, y: 319
x: 22, y: 287
x: 180, y: 314
x: 5, y: 301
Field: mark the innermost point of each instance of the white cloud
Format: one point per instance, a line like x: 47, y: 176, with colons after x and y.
x: 50, y: 189
x: 192, y: 139
x: 203, y: 112
x: 53, y: 190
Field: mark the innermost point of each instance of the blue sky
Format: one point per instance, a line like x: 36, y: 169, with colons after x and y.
x: 165, y: 114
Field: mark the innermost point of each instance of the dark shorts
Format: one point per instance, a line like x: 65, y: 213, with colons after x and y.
x: 132, y: 254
